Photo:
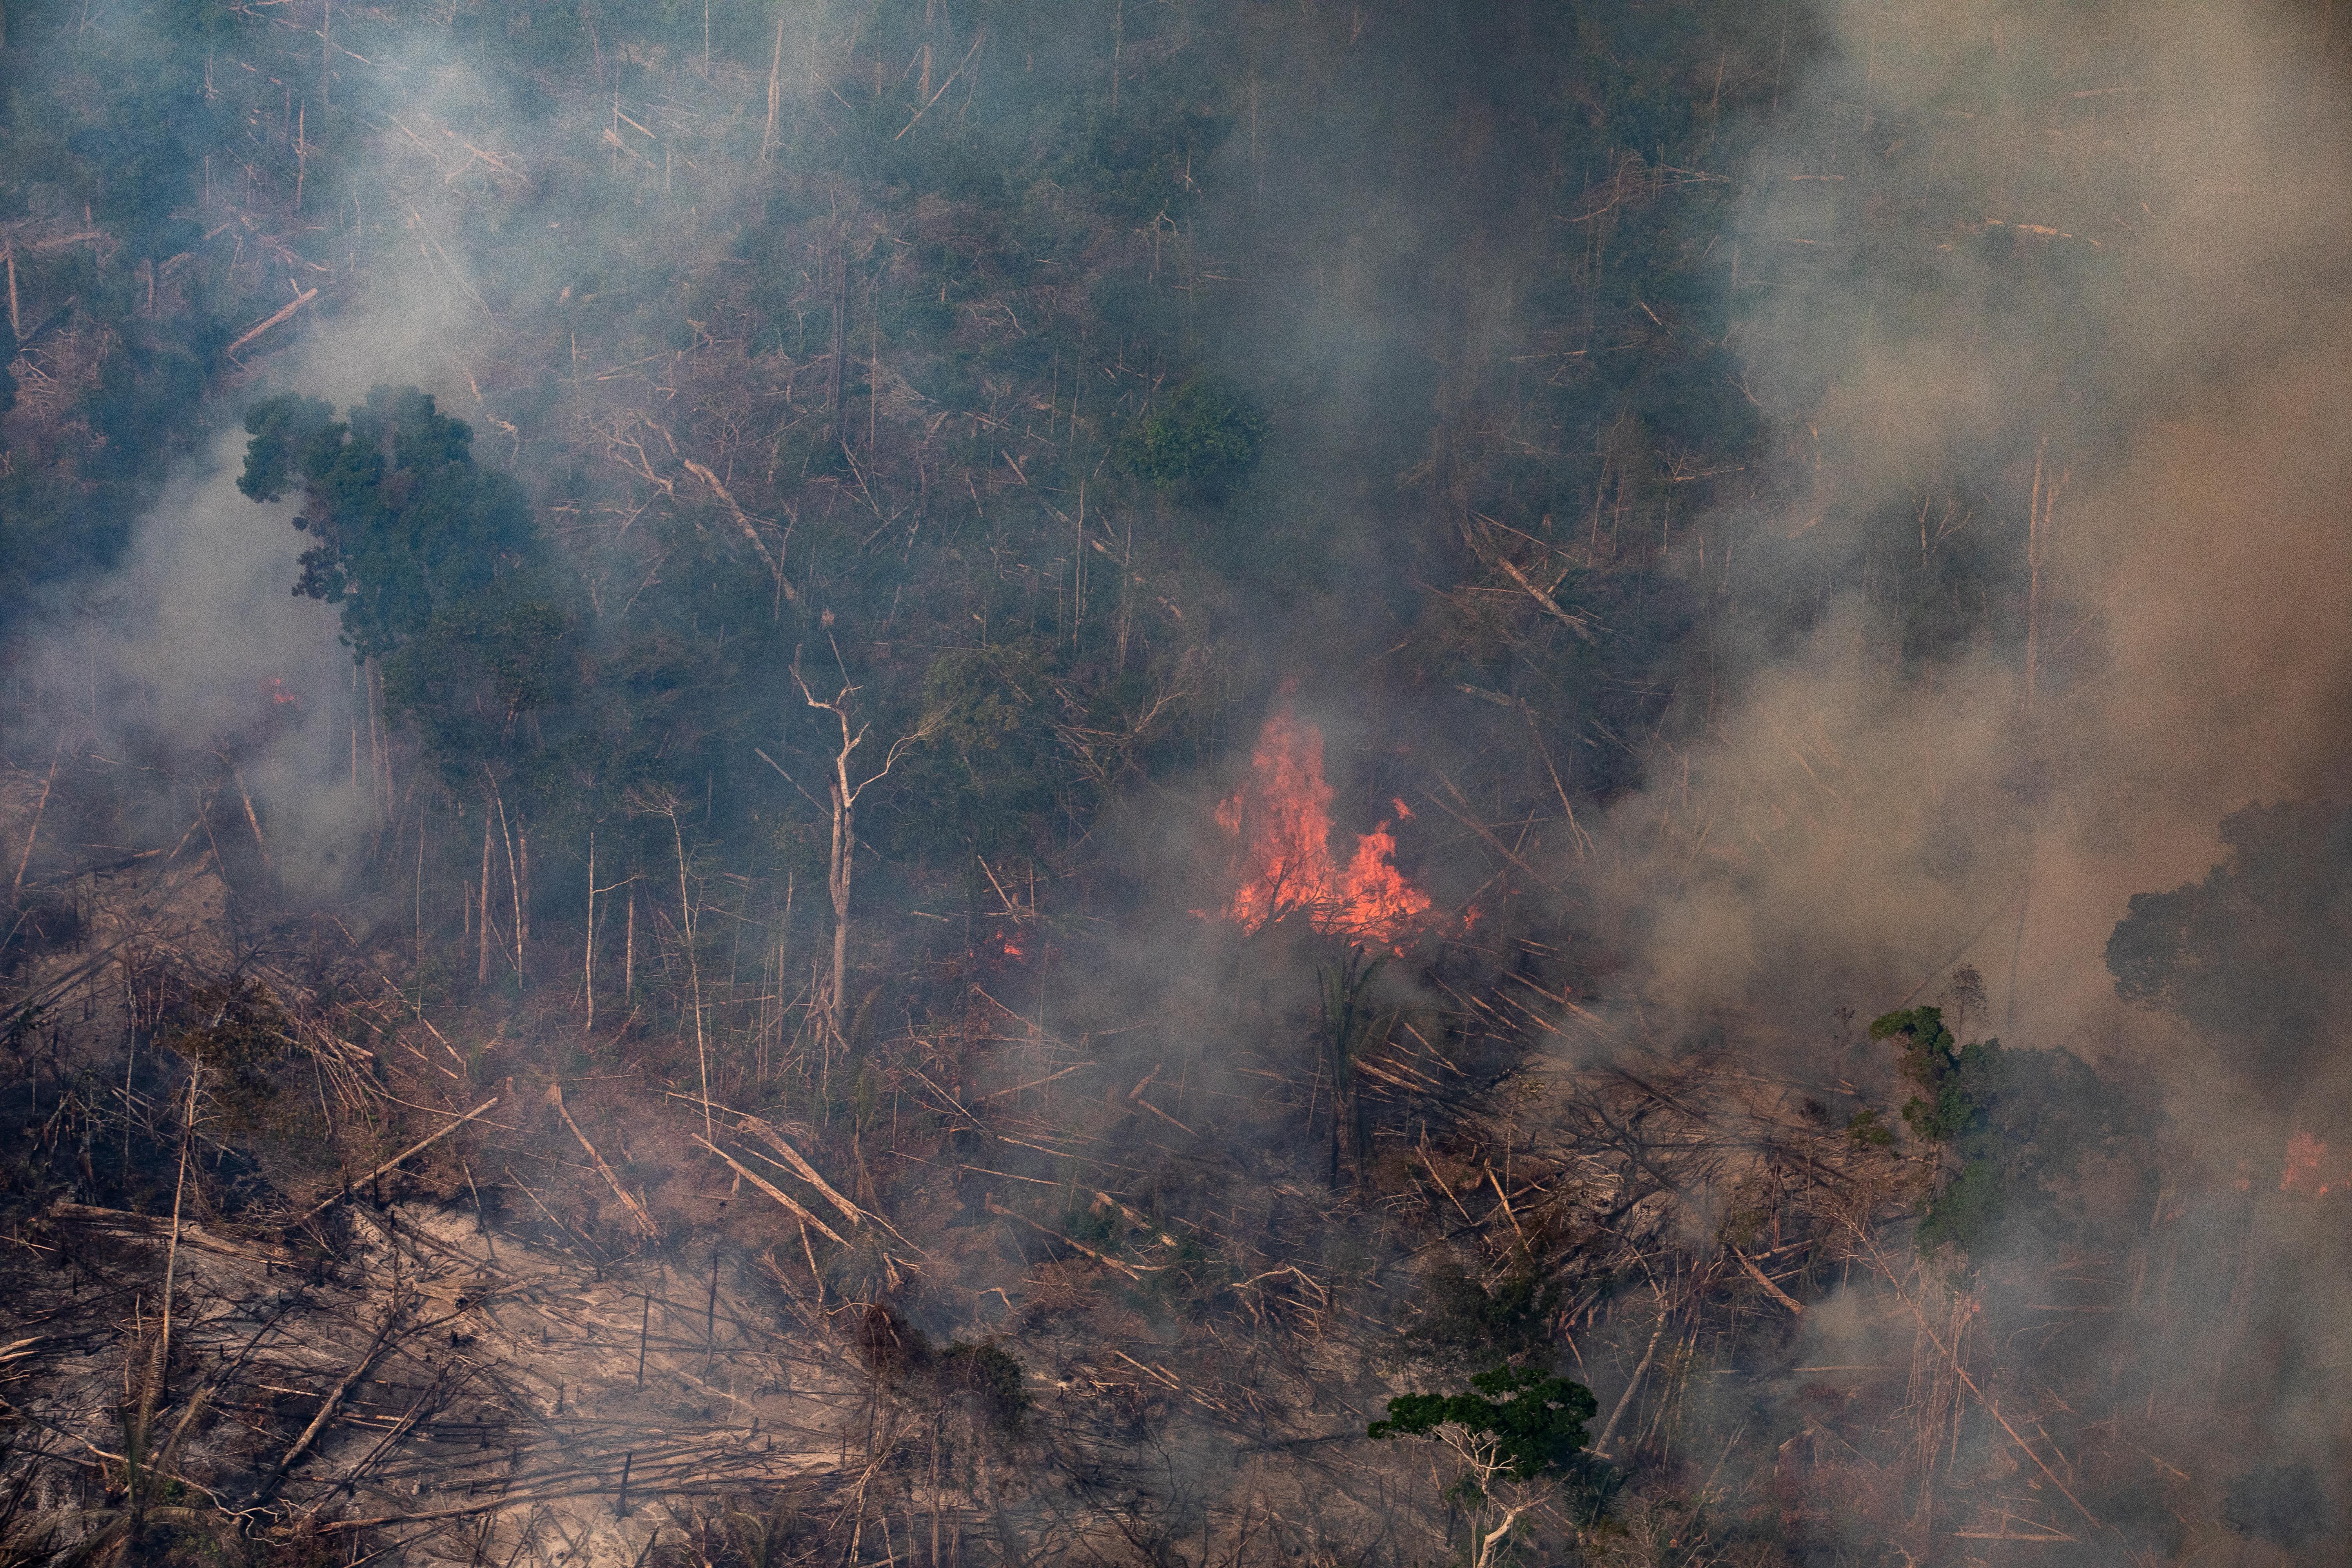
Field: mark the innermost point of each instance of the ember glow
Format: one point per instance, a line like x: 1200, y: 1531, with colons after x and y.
x: 1281, y: 824
x: 2310, y: 1171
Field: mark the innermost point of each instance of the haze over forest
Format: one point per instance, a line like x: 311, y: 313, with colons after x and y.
x: 1174, y: 781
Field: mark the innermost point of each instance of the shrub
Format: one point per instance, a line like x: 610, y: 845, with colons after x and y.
x: 1463, y: 1322
x: 1201, y: 441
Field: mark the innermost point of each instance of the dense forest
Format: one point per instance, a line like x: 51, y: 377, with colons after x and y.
x: 1522, y: 782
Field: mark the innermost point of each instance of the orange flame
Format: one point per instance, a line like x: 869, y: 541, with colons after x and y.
x: 2309, y: 1171
x: 1281, y: 823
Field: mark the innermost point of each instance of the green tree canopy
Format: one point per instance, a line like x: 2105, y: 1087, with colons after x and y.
x: 1201, y: 441
x: 2254, y: 953
x: 2015, y: 1123
x: 1533, y: 1421
x: 407, y: 524
x: 437, y: 563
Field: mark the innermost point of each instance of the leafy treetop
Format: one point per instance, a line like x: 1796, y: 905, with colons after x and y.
x: 440, y: 573
x: 2015, y: 1122
x: 1533, y: 1420
x: 405, y: 523
x: 1936, y: 1062
x: 2254, y: 953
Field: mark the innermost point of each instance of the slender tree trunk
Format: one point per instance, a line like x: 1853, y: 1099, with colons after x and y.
x: 522, y: 902
x: 844, y: 842
x: 378, y: 769
x: 588, y: 955
x: 775, y: 91
x: 931, y: 14
x: 34, y: 832
x: 693, y: 970
x: 420, y: 914
x: 162, y: 1365
x: 1336, y: 1071
x: 840, y: 344
x: 482, y: 920
x: 839, y: 869
x: 1625, y: 1400
x: 2033, y: 580
x: 514, y: 879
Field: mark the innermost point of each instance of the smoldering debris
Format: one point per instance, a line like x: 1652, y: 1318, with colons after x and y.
x: 419, y: 1385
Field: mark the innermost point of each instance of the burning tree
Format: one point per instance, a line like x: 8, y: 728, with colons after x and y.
x: 1280, y: 821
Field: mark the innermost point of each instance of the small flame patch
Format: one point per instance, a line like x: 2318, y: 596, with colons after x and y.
x: 1280, y: 821
x: 2309, y: 1171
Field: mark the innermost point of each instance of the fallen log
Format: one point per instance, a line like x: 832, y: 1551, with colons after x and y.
x: 1764, y: 1279
x: 797, y: 1211
x: 637, y: 1210
x: 416, y: 1148
x: 261, y: 327
x: 807, y: 1172
x: 1104, y: 1258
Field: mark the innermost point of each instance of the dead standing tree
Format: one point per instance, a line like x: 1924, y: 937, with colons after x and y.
x: 842, y: 797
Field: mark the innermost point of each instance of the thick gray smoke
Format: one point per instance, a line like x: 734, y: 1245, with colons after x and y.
x: 2049, y: 286
x: 2062, y: 289
x: 194, y: 660
x: 2057, y: 292
x: 194, y: 653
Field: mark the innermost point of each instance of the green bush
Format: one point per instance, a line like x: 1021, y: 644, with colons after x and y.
x: 1202, y: 440
x: 990, y: 1378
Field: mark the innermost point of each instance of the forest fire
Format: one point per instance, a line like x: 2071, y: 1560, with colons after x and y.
x: 546, y: 1072
x: 1281, y: 823
x: 2309, y: 1171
